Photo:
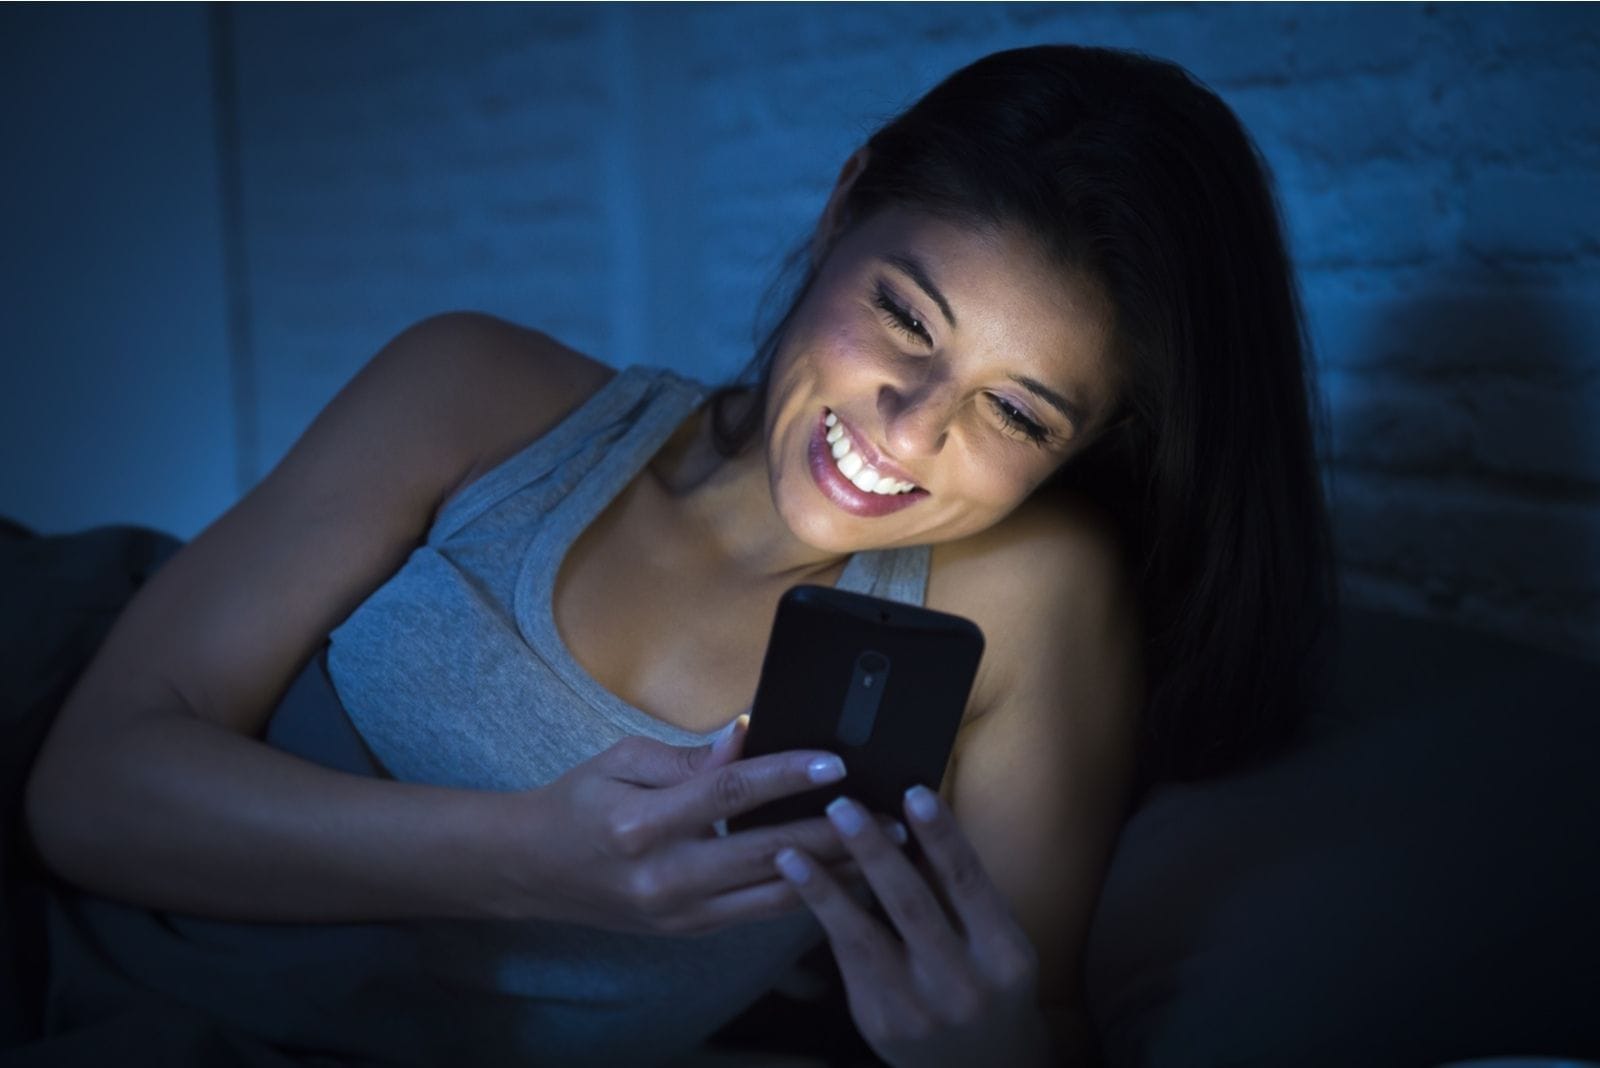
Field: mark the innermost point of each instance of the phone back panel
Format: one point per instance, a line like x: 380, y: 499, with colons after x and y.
x: 881, y: 683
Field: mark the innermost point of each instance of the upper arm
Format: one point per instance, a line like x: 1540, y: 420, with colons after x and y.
x: 221, y: 629
x: 1042, y: 767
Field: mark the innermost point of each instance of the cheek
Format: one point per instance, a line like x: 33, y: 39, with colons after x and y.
x: 1001, y: 468
x: 836, y: 333
x: 1002, y: 494
x: 842, y: 355
x: 1000, y: 477
x: 816, y: 347
x: 829, y: 370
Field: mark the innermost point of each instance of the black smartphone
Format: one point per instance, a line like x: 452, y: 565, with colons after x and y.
x: 880, y: 683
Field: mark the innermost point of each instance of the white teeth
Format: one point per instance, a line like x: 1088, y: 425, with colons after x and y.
x: 853, y: 467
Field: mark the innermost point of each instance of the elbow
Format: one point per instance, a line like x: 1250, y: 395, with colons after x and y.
x: 52, y: 817
x: 63, y: 814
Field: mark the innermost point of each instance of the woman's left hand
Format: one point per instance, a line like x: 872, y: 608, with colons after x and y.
x: 954, y: 981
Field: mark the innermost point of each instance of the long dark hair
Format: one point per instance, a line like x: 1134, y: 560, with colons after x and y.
x: 1126, y: 168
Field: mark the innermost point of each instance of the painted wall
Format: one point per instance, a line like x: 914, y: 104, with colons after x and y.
x: 115, y: 389
x: 628, y: 178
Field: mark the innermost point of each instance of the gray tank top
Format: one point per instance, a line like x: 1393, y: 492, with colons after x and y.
x: 453, y: 673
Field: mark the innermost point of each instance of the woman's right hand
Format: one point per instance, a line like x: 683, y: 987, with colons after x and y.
x: 625, y: 840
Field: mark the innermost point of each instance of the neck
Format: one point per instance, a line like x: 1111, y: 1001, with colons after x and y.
x: 730, y: 500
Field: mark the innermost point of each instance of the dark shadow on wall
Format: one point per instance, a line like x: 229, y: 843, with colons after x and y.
x: 1465, y: 461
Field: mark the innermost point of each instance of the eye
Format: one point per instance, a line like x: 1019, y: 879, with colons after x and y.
x: 1017, y: 422
x: 900, y: 318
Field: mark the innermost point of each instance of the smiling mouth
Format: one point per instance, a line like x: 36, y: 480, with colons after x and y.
x: 848, y: 461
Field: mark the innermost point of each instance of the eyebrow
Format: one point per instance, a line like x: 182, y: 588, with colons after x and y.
x: 915, y: 271
x: 1073, y: 413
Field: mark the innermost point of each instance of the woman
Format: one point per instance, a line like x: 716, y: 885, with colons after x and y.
x: 1044, y: 371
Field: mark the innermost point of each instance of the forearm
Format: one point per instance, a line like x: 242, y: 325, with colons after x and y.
x: 174, y: 812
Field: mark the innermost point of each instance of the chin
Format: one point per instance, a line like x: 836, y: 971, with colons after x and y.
x: 810, y: 522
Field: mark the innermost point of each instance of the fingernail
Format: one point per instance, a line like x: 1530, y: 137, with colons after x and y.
x: 826, y: 769
x: 846, y: 816
x: 792, y: 866
x: 897, y: 831
x: 922, y: 804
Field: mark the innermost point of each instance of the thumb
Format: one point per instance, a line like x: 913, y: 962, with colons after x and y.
x: 646, y: 762
x: 726, y: 747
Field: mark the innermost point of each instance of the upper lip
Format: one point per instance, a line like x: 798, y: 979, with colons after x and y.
x: 871, y: 454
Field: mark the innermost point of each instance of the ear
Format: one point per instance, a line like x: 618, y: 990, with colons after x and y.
x: 834, y: 216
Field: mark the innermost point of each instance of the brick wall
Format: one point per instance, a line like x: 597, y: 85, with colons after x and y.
x: 628, y: 179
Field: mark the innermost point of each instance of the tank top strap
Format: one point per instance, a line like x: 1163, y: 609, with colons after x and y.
x: 893, y: 574
x: 634, y: 396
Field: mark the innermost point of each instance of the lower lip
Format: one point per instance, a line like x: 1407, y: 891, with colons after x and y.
x: 844, y: 493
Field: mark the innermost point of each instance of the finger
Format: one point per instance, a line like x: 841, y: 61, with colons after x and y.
x: 858, y: 940
x: 871, y: 961
x: 815, y: 837
x: 977, y: 903
x: 726, y: 791
x: 743, y: 904
x: 642, y: 761
x: 716, y: 864
x: 728, y: 745
x: 760, y: 900
x: 901, y: 889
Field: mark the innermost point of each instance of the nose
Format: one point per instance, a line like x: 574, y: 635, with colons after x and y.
x: 916, y: 418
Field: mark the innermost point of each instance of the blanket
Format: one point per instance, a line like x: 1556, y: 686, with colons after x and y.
x: 62, y: 594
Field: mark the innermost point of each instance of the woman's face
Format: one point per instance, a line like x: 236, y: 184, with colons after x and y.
x: 951, y: 360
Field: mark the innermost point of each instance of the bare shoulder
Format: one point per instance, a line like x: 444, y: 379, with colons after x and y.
x: 494, y: 385
x: 1048, y: 586
x: 482, y: 344
x: 237, y: 611
x: 1041, y: 766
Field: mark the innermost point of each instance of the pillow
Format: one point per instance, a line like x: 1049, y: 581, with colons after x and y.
x: 1416, y: 880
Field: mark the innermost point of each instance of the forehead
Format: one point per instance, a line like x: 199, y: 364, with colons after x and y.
x: 1009, y: 300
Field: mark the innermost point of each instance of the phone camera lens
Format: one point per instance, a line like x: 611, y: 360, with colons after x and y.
x: 872, y: 663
